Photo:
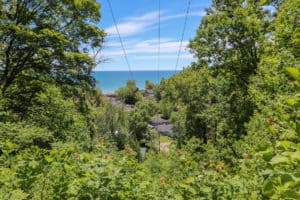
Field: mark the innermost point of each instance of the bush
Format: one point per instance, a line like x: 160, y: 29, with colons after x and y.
x: 25, y: 135
x: 166, y: 109
x: 129, y: 94
x: 149, y: 85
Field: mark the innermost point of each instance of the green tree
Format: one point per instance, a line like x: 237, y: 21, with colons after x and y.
x: 50, y: 48
x: 230, y: 41
x: 129, y: 94
x: 138, y: 125
x: 48, y: 38
x: 111, y: 122
x: 149, y: 85
x: 271, y: 85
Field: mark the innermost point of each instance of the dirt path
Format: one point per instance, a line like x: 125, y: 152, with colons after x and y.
x: 164, y: 146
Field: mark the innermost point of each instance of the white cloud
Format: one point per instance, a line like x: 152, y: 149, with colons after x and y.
x: 142, y: 52
x: 200, y: 13
x: 138, y: 24
x: 164, y: 57
x: 147, y: 47
x: 146, y: 17
x: 133, y: 25
x: 170, y: 17
x: 127, y: 28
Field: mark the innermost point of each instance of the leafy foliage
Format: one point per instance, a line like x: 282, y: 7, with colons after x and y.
x: 41, y: 38
x: 129, y: 94
x: 235, y: 111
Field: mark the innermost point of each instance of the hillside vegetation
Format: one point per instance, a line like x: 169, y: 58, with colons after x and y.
x: 235, y: 111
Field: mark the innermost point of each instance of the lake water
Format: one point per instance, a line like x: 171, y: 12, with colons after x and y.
x: 110, y: 81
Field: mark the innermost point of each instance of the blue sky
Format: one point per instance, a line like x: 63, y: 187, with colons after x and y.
x: 138, y: 24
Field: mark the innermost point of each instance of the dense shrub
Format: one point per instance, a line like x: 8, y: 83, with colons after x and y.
x: 129, y: 94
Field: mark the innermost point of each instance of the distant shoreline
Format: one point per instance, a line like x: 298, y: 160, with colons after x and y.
x: 110, y: 81
x: 136, y: 70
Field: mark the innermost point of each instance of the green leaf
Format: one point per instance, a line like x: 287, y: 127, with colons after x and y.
x: 205, y: 189
x: 267, y: 156
x: 284, y: 145
x: 18, y: 195
x: 262, y: 146
x: 268, y: 188
x: 294, y: 72
x: 189, y: 180
x: 291, y: 102
x: 188, y: 188
x: 33, y: 164
x: 290, y: 194
x: 295, y: 156
x: 279, y: 159
x: 286, y: 178
x: 48, y: 159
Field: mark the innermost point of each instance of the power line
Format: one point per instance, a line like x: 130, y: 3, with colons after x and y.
x: 158, y: 50
x: 120, y: 38
x: 182, y: 35
x: 158, y: 59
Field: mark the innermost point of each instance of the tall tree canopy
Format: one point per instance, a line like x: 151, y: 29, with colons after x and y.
x: 230, y: 41
x: 46, y: 38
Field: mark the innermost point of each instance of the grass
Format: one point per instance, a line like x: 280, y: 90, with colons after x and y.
x: 165, y: 139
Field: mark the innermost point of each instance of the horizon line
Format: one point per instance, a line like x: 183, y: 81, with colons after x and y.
x: 137, y: 70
